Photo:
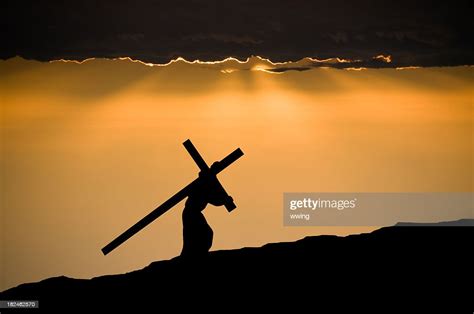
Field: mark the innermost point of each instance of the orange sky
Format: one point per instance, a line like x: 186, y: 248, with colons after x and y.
x: 88, y: 149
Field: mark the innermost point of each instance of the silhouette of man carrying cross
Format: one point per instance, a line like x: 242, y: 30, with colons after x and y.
x: 206, y: 189
x: 197, y: 234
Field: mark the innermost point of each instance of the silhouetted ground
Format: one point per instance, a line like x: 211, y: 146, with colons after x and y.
x: 393, y: 267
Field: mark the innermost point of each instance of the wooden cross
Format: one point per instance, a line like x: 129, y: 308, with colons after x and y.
x: 178, y: 197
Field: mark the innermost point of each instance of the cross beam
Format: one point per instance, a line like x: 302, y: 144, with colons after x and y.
x: 178, y: 197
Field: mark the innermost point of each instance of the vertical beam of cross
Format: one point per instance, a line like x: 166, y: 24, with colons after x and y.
x: 230, y: 205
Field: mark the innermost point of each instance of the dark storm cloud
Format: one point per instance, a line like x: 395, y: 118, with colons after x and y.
x: 225, y: 38
x: 419, y: 33
x: 379, y: 61
x: 285, y: 69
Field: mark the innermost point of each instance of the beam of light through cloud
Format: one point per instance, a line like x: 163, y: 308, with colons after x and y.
x: 256, y: 63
